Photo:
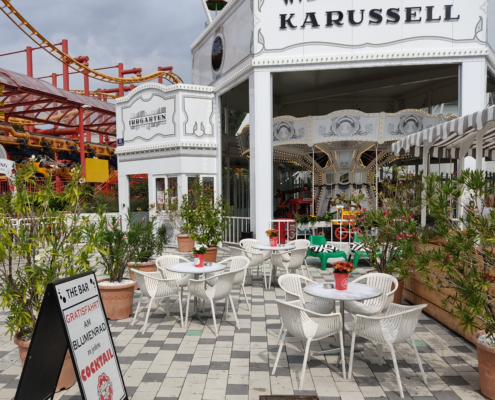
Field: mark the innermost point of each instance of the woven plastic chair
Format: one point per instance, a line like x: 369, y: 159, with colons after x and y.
x: 164, y: 261
x: 397, y: 325
x: 256, y: 257
x: 296, y: 261
x: 291, y: 284
x: 308, y: 326
x: 379, y: 304
x: 221, y: 290
x: 154, y: 287
x: 239, y: 264
x: 300, y: 244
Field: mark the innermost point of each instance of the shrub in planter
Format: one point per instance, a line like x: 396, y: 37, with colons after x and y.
x: 37, y: 246
x: 152, y: 242
x: 390, y: 232
x: 462, y: 271
x: 204, y: 217
x: 116, y: 248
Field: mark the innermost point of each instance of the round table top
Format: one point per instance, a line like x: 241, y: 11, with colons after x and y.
x: 280, y: 247
x: 354, y: 292
x: 190, y: 268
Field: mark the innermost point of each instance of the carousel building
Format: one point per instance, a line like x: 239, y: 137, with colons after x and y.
x: 315, y: 93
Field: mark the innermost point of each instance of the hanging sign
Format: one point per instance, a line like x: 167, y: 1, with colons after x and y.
x: 72, y: 317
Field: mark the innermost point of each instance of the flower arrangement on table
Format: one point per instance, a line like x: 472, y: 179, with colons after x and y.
x: 273, y: 235
x: 341, y: 271
x: 199, y: 252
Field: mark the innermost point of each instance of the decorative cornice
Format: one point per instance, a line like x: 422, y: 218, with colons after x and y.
x: 167, y: 153
x: 163, y: 88
x: 164, y: 146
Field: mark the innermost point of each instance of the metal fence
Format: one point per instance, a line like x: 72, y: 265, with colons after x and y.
x: 236, y: 226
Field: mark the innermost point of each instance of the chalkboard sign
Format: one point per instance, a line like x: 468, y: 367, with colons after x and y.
x: 72, y: 317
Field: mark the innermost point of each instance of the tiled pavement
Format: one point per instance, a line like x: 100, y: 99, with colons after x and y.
x: 168, y: 362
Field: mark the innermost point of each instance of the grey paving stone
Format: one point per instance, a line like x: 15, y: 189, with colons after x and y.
x: 170, y: 346
x: 184, y: 357
x: 305, y: 393
x: 258, y: 338
x: 219, y: 365
x: 237, y: 389
x: 379, y: 368
x: 366, y: 381
x: 7, y: 378
x: 239, y: 354
x: 154, y: 377
x: 258, y: 367
x: 454, y: 380
x: 154, y: 343
x: 445, y: 395
x: 461, y: 349
x: 207, y: 341
x: 198, y: 369
x: 124, y: 360
x: 176, y: 335
x: 145, y: 357
x: 281, y: 372
x: 453, y: 360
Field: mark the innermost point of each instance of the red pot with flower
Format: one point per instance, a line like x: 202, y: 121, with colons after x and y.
x: 199, y: 252
x: 341, y: 271
x: 273, y: 235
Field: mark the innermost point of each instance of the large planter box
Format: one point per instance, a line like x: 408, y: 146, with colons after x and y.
x: 416, y: 292
x: 320, y: 224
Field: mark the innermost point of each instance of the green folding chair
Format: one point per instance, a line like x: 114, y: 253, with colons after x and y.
x: 320, y: 240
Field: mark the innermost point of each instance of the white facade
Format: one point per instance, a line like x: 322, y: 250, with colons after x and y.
x: 308, y: 57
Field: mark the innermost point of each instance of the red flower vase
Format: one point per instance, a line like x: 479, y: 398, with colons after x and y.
x: 273, y: 241
x: 199, y: 260
x: 341, y: 281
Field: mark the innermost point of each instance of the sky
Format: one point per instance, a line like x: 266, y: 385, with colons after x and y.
x: 141, y: 34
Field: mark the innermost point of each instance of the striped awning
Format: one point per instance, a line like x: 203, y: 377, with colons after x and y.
x: 447, y: 138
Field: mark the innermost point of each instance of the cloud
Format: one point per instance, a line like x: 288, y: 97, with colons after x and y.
x: 142, y: 34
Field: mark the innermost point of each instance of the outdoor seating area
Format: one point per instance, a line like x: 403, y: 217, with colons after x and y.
x: 262, y: 347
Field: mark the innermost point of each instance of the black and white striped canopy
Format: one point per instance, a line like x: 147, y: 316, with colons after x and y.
x: 447, y: 138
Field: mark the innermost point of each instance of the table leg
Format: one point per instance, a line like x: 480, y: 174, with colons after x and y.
x: 336, y: 349
x: 273, y: 277
x: 196, y: 314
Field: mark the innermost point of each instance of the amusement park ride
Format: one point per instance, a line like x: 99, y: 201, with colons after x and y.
x: 27, y: 102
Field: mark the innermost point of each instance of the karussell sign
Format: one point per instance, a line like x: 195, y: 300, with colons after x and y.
x: 72, y: 316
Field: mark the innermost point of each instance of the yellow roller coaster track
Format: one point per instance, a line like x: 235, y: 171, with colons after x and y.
x: 97, y: 94
x: 14, y: 15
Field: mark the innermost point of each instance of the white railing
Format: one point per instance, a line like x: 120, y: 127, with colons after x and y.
x: 236, y: 226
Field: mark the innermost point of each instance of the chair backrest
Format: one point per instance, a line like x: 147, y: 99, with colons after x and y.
x: 151, y: 286
x: 301, y: 243
x: 383, y: 282
x: 236, y: 252
x: 291, y: 284
x: 224, y: 285
x: 238, y: 264
x: 400, y: 321
x: 318, y: 240
x: 249, y: 244
x: 296, y: 321
x: 164, y: 261
x: 297, y: 258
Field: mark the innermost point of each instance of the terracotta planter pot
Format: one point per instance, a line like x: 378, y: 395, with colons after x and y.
x: 438, y: 241
x: 117, y: 299
x: 142, y: 267
x: 185, y: 243
x: 211, y: 254
x: 486, y: 365
x: 398, y: 292
x: 67, y: 377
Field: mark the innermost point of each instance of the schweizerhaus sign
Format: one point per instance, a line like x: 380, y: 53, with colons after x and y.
x: 374, y: 16
x: 148, y: 120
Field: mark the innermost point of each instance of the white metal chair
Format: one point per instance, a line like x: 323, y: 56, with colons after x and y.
x: 182, y: 279
x: 239, y: 264
x: 221, y: 290
x: 154, y: 287
x: 397, y: 325
x: 309, y: 326
x: 291, y: 284
x: 378, y: 304
x: 296, y: 261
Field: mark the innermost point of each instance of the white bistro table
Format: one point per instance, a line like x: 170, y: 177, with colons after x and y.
x: 278, y: 247
x: 190, y: 268
x: 354, y: 292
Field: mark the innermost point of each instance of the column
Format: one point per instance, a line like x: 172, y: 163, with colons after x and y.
x: 472, y: 96
x: 261, y: 152
x: 124, y: 199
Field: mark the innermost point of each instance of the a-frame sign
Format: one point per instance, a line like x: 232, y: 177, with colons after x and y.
x: 72, y: 317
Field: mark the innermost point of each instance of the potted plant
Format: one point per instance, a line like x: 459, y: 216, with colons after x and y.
x: 341, y: 271
x: 462, y: 270
x: 273, y: 235
x: 151, y: 242
x: 199, y: 252
x: 204, y: 217
x: 390, y: 235
x: 170, y: 209
x: 116, y: 247
x: 38, y: 245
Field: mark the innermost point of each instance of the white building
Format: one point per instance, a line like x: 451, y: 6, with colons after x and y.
x: 307, y: 61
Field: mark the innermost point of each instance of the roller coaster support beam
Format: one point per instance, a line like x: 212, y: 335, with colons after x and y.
x: 170, y: 69
x: 65, y: 66
x: 85, y: 61
x: 57, y: 132
x: 81, y: 142
x: 123, y: 72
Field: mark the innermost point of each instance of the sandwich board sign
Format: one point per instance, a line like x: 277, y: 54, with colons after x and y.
x: 72, y: 317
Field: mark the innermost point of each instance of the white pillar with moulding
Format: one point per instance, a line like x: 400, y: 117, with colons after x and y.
x: 472, y: 94
x: 426, y: 168
x: 261, y: 152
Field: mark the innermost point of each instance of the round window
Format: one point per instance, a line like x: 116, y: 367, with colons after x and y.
x: 217, y: 54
